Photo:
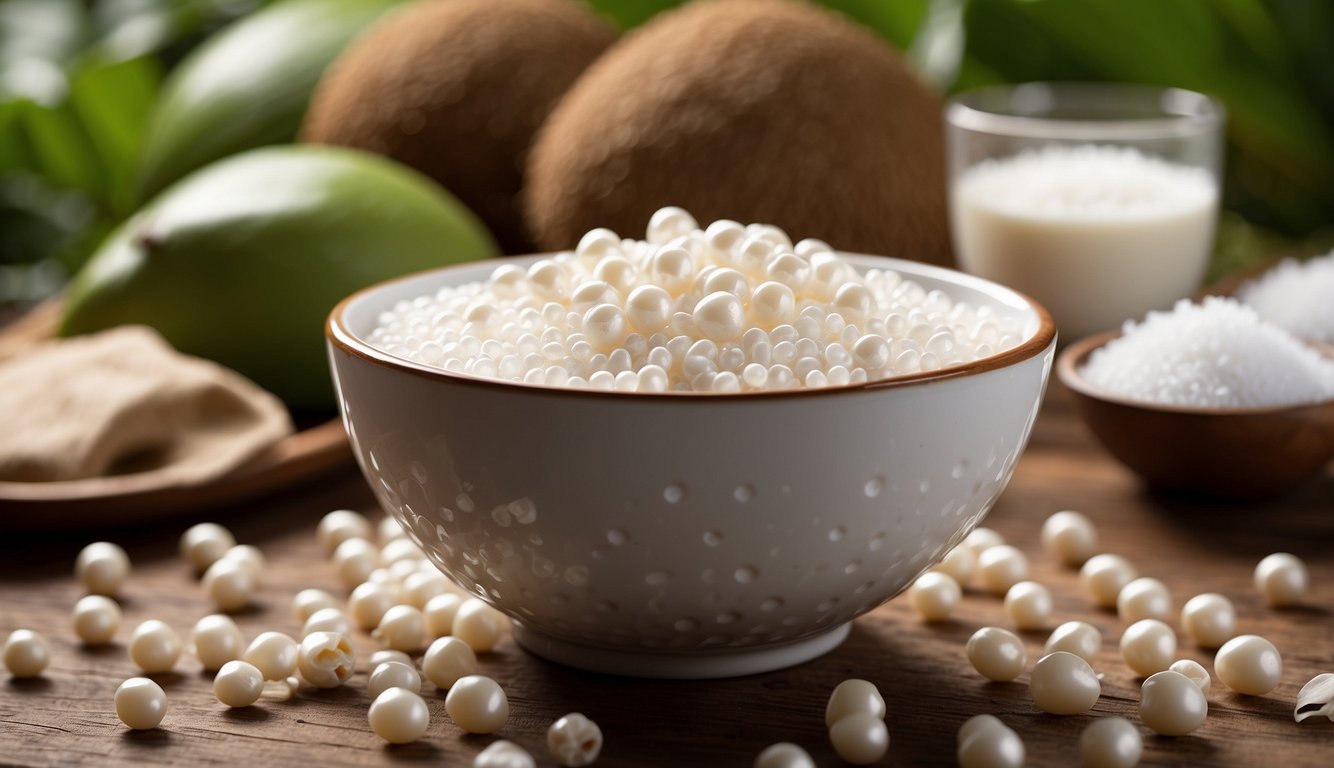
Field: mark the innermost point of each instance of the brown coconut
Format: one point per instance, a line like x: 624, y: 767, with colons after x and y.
x: 457, y: 89
x: 755, y: 110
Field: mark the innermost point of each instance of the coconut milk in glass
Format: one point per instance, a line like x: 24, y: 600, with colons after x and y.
x: 1098, y: 200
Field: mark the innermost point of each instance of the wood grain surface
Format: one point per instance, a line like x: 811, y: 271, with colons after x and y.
x: 66, y: 717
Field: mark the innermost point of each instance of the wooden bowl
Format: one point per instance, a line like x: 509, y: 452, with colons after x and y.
x: 1228, y: 453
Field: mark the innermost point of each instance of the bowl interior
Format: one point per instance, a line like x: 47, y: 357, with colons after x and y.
x: 354, y: 319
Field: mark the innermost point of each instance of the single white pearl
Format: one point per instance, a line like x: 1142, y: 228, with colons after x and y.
x: 327, y: 620
x: 339, y: 526
x: 1144, y: 598
x: 273, y: 654
x: 26, y: 653
x: 1209, y: 619
x: 140, y: 703
x: 402, y: 628
x: 1195, y: 672
x: 959, y: 563
x: 852, y: 696
x: 854, y: 298
x: 1070, y: 536
x: 368, y: 603
x: 719, y: 316
x: 1148, y: 646
x: 997, y: 654
x: 548, y: 280
x: 154, y: 646
x: 204, y: 543
x: 668, y: 223
x: 1103, y: 577
x: 504, y: 754
x: 784, y: 754
x: 1064, y: 684
x: 216, y: 640
x: 393, y: 674
x: 1249, y: 664
x: 1171, y: 704
x: 308, y: 601
x: 590, y: 293
x: 102, y: 567
x: 447, y: 660
x: 789, y: 269
x: 574, y: 740
x: 399, y: 716
x: 229, y: 584
x: 727, y: 280
x: 1111, y: 742
x: 95, y: 619
x: 1077, y: 637
x: 325, y: 659
x: 238, y: 684
x: 1282, y: 579
x: 479, y: 625
x: 1029, y: 605
x: 605, y: 326
x: 477, y: 704
x: 724, y: 236
x: 772, y: 303
x: 1001, y: 567
x: 812, y: 245
x: 594, y: 246
x: 649, y: 309
x: 618, y: 272
x: 934, y: 595
x: 673, y: 269
x: 860, y: 738
x: 986, y: 742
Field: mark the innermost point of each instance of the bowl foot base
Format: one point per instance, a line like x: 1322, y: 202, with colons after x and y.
x: 691, y: 665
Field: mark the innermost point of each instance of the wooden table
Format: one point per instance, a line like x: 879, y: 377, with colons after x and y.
x: 66, y: 717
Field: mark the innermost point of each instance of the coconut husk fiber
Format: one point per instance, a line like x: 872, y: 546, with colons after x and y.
x: 124, y: 401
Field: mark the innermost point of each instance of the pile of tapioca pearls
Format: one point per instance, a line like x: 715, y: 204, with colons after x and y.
x: 1173, y: 700
x: 723, y: 308
x: 396, y: 595
x: 407, y: 605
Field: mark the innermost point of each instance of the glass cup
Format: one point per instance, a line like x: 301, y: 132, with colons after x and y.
x: 1099, y: 200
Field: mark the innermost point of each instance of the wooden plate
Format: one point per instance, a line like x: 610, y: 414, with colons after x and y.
x: 104, y: 502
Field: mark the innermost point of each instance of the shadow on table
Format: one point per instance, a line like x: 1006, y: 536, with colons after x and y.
x: 1300, y: 522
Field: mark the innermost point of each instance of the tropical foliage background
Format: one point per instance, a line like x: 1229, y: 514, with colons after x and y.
x: 79, y: 79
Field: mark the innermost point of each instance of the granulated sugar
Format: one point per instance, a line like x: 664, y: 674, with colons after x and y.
x: 1216, y: 354
x: 1297, y: 296
x: 727, y: 308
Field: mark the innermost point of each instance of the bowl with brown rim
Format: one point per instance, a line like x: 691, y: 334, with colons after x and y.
x: 684, y: 534
x: 1238, y: 454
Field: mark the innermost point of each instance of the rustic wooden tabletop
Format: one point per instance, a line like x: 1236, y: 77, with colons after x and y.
x: 66, y: 716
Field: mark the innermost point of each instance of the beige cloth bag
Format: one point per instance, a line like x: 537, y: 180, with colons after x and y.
x: 124, y: 401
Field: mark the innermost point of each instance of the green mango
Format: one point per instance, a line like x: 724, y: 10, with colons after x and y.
x: 247, y: 86
x: 242, y: 261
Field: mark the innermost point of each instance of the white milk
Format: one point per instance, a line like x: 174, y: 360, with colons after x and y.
x: 1097, y: 234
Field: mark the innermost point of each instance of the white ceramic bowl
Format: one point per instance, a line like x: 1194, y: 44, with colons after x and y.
x: 680, y: 534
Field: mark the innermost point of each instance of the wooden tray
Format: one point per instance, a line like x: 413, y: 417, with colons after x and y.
x: 105, y: 502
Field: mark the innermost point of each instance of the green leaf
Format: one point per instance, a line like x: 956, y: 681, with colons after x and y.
x: 62, y: 151
x: 113, y: 102
x: 627, y: 14
x: 895, y: 20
